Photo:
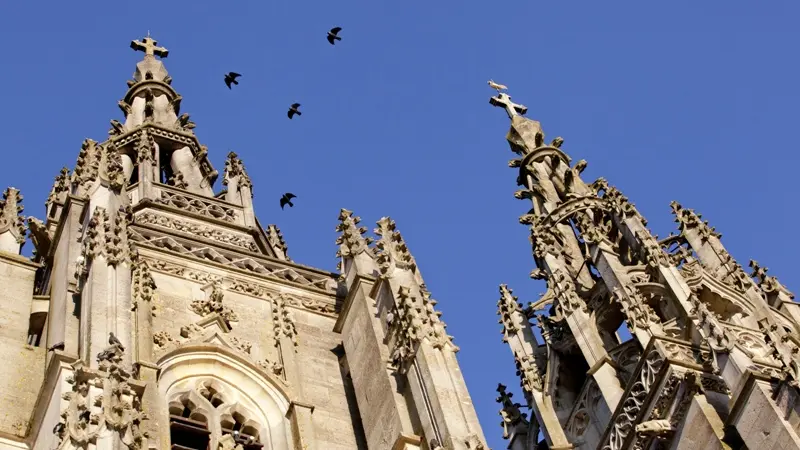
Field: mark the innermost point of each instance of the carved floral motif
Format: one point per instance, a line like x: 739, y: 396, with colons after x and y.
x: 213, y: 304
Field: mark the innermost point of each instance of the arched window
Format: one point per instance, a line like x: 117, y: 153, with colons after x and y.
x: 218, y: 400
x: 188, y: 424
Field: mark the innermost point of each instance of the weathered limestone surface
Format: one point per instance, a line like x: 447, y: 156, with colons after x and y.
x: 23, y: 364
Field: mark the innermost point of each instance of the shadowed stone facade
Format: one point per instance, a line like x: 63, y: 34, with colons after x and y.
x: 159, y: 314
x: 712, y: 355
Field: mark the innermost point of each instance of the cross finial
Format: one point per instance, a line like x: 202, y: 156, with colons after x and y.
x: 149, y: 46
x: 512, y: 109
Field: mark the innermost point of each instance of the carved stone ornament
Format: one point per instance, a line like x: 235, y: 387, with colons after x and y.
x: 651, y: 252
x: 234, y: 168
x: 688, y: 219
x: 620, y: 204
x: 282, y: 320
x: 513, y: 420
x: 179, y: 181
x: 530, y: 373
x: 623, y: 421
x: 206, y: 208
x: 568, y: 298
x: 145, y: 147
x: 120, y: 408
x: 116, y: 235
x: 275, y: 368
x: 143, y: 287
x: 87, y: 167
x: 545, y: 240
x: 275, y: 239
x: 510, y: 311
x: 351, y: 241
x: 194, y: 229
x: 213, y: 304
x: 415, y: 320
x: 767, y: 283
x: 392, y: 249
x: 58, y: 193
x: 184, y: 124
x: 112, y: 164
x: 11, y: 219
x: 710, y: 325
x: 94, y: 241
x: 636, y: 309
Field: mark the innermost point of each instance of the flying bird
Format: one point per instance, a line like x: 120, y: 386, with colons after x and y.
x: 287, y: 199
x: 293, y: 110
x: 112, y: 340
x: 56, y: 346
x: 498, y: 87
x: 333, y: 35
x: 230, y: 77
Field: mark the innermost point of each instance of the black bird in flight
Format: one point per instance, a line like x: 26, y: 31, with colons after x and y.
x: 230, y: 77
x: 57, y: 346
x: 287, y: 199
x: 293, y: 110
x: 333, y: 35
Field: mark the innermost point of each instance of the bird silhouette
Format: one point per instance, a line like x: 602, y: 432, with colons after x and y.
x: 230, y: 77
x: 286, y: 199
x: 333, y: 35
x: 293, y: 110
x: 112, y: 340
x: 56, y: 346
x: 496, y: 86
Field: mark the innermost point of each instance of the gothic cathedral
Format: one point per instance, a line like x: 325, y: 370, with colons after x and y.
x: 640, y: 343
x: 158, y: 314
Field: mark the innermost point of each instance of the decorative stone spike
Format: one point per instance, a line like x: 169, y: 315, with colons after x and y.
x: 514, y: 422
x: 510, y: 311
x: 234, y: 167
x: 60, y: 188
x: 275, y: 239
x: 392, y: 249
x: 687, y: 218
x: 352, y: 240
x: 12, y: 224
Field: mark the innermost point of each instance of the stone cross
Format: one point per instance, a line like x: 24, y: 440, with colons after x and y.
x: 148, y: 46
x: 504, y: 101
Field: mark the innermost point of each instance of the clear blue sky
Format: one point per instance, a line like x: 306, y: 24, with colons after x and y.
x: 691, y: 101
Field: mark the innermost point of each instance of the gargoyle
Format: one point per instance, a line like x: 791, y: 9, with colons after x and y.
x: 557, y: 142
x: 116, y: 128
x: 656, y: 427
x: 183, y: 122
x: 126, y: 108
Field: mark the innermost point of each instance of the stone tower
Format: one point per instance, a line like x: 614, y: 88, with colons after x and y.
x: 159, y: 314
x: 710, y: 357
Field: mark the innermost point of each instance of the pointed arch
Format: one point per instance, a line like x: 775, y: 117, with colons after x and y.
x: 237, y: 394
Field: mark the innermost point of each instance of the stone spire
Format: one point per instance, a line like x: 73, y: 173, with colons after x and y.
x: 392, y: 249
x: 12, y: 224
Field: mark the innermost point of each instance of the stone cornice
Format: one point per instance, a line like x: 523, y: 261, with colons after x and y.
x: 18, y: 260
x: 243, y: 252
x: 234, y: 269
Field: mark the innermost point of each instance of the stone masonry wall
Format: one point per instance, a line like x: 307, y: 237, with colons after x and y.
x: 22, y: 369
